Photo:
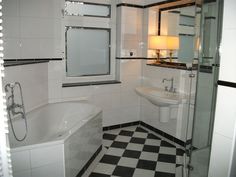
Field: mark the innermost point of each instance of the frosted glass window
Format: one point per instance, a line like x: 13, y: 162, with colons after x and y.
x: 87, y: 51
x: 76, y: 8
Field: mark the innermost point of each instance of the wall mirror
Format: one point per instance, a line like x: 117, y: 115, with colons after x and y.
x: 181, y: 19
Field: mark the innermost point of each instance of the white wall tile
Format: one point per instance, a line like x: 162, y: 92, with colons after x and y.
x: 30, y: 27
x: 29, y: 48
x: 227, y: 63
x: 225, y: 127
x: 229, y: 14
x: 225, y: 121
x: 36, y: 25
x: 34, y: 82
x: 102, y: 89
x: 130, y: 114
x: 11, y: 27
x: 102, y: 100
x: 11, y: 48
x: 54, y: 89
x: 77, y: 92
x: 50, y: 28
x: 111, y: 117
x: 42, y: 8
x: 30, y: 8
x: 130, y: 67
x: 11, y: 8
x: 50, y: 48
x: 130, y: 32
x: 220, y: 156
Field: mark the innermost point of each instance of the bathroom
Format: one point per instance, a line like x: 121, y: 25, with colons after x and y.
x: 139, y: 109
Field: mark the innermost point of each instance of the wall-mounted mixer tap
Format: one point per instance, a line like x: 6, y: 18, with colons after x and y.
x: 12, y: 106
x: 171, y: 88
x: 14, y: 109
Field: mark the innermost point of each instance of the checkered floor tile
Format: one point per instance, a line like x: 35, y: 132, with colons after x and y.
x: 135, y: 152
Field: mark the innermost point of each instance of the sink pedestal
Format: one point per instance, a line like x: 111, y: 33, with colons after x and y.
x: 164, y: 113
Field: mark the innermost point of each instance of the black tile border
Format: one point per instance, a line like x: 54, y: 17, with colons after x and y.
x: 182, y: 34
x: 181, y: 66
x: 205, y: 69
x: 160, y: 3
x: 226, y: 83
x: 112, y: 127
x: 166, y: 135
x: 186, y: 25
x: 129, y: 5
x: 177, y: 6
x: 79, y: 84
x: 188, y: 16
x: 83, y: 170
x: 135, y: 58
x: 210, y: 17
x: 146, y: 6
x: 17, y: 62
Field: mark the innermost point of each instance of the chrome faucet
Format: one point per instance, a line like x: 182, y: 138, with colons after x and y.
x: 15, y: 109
x: 171, y: 89
x: 12, y: 107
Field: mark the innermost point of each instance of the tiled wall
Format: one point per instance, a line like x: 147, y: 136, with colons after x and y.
x: 119, y: 102
x: 34, y: 82
x: 224, y: 134
x: 130, y: 32
x: 32, y: 28
x: 37, y: 34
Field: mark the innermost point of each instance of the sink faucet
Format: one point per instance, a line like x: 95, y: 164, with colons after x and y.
x: 171, y: 89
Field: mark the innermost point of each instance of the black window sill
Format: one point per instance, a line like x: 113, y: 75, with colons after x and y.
x: 18, y: 62
x: 79, y: 84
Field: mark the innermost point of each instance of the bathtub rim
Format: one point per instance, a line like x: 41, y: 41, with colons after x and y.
x: 64, y: 137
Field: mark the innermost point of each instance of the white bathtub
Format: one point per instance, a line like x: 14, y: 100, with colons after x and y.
x: 61, y: 138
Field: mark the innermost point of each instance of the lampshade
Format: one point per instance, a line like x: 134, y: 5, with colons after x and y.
x: 157, y: 42
x: 172, y: 42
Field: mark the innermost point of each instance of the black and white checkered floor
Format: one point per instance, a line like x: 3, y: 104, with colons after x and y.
x: 136, y: 152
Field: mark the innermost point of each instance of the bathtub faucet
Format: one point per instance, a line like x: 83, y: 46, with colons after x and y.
x: 13, y: 107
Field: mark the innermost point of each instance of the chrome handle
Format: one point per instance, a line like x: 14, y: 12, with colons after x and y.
x: 166, y: 88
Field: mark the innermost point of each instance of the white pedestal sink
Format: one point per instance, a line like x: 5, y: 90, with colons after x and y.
x: 161, y: 98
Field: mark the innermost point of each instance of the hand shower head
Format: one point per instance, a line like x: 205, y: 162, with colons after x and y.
x: 10, y: 86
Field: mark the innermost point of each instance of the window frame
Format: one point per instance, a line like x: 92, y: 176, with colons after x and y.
x: 92, y: 22
x: 90, y: 28
x: 93, y: 3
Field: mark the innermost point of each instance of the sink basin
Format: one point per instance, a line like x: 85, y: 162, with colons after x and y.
x: 159, y: 97
x: 162, y: 99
